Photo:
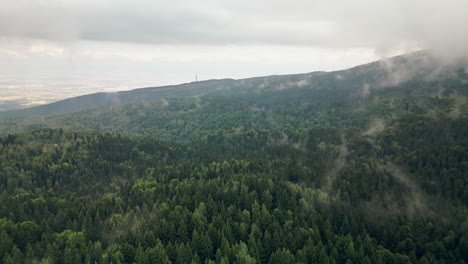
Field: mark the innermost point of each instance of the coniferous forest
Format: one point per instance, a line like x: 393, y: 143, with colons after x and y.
x: 287, y: 169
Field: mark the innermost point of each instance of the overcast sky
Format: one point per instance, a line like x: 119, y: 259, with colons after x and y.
x: 96, y: 45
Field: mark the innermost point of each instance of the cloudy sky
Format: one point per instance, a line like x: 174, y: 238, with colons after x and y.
x: 51, y: 49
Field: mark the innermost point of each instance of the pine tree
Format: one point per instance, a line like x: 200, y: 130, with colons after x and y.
x: 281, y: 256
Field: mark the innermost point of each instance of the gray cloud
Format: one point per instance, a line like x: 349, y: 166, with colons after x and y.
x: 382, y: 25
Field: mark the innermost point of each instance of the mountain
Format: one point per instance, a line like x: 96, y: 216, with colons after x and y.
x: 364, y: 165
x: 376, y: 75
x: 412, y: 84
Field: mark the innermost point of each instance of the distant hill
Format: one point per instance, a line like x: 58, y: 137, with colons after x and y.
x: 417, y: 83
x: 90, y: 101
x: 366, y: 78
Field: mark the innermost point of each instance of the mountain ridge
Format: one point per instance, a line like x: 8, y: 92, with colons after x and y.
x: 393, y: 88
x: 102, y: 99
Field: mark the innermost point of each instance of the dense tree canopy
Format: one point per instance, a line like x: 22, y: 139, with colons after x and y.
x: 254, y: 197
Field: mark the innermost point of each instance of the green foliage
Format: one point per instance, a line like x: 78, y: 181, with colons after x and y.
x: 72, y: 197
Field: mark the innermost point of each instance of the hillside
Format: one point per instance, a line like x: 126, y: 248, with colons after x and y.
x: 365, y: 165
x: 419, y: 66
x: 404, y: 85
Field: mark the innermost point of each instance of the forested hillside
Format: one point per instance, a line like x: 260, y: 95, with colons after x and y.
x: 366, y: 165
x: 390, y: 89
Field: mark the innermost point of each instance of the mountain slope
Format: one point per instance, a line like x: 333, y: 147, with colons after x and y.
x: 419, y: 66
x: 405, y: 85
x: 366, y: 165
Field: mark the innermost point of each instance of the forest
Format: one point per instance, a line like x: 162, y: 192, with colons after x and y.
x: 317, y: 173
